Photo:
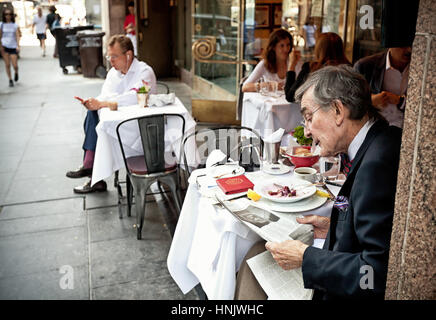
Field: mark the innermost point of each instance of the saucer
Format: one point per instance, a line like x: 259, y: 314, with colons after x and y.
x: 275, y: 168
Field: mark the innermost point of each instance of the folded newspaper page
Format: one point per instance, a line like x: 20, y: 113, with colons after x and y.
x: 277, y: 283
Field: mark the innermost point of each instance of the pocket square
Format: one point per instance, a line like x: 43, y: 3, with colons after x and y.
x: 341, y: 203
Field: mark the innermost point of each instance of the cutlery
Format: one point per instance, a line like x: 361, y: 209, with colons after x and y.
x: 224, y: 174
x: 332, y: 196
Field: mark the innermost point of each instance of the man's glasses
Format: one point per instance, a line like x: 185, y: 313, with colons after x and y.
x: 307, y: 117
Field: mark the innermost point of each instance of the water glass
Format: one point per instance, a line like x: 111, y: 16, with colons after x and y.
x: 330, y: 167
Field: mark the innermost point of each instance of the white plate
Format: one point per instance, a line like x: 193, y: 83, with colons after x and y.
x: 302, y: 193
x: 307, y: 204
x: 225, y: 171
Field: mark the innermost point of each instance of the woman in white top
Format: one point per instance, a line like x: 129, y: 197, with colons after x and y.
x: 10, y: 39
x: 274, y: 64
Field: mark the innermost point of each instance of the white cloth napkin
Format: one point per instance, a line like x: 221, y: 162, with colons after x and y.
x: 275, y: 136
x: 160, y: 100
x: 214, y: 157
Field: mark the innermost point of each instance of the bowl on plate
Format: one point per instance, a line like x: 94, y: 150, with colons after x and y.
x: 299, y: 160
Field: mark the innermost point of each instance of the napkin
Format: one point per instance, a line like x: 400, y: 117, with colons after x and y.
x: 275, y: 137
x: 216, y: 156
x: 160, y: 100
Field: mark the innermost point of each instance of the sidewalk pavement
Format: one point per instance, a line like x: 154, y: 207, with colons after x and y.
x: 48, y: 233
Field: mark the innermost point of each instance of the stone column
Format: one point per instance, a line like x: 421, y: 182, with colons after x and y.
x: 412, y: 261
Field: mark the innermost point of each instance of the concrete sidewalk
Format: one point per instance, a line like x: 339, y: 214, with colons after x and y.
x: 47, y: 230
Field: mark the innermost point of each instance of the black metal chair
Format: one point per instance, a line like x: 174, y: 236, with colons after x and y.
x: 162, y: 88
x: 240, y: 143
x: 240, y: 99
x: 142, y: 171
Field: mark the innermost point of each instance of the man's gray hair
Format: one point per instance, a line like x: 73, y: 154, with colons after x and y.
x: 332, y: 83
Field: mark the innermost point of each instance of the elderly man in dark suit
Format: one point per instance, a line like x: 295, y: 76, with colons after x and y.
x: 338, y: 115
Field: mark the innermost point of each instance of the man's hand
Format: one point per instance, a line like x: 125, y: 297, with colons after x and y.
x: 288, y: 254
x: 320, y: 224
x: 92, y: 104
x: 382, y: 99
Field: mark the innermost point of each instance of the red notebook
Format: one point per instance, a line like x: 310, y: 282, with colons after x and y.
x: 236, y: 184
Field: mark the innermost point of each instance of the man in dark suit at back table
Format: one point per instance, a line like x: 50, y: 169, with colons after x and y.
x: 338, y: 115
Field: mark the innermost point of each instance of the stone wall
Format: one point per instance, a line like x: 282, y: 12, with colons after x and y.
x: 412, y: 262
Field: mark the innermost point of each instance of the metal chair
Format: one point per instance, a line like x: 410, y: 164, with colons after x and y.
x: 144, y: 170
x: 162, y: 87
x: 240, y: 143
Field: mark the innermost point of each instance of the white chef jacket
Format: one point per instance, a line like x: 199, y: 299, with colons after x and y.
x: 118, y: 87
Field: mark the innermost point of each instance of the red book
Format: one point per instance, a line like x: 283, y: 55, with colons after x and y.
x: 236, y: 184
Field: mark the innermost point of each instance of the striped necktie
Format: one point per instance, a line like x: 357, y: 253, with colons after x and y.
x: 346, y: 163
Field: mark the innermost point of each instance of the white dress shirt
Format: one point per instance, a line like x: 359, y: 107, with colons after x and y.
x: 358, y: 139
x: 118, y: 87
x: 396, y: 82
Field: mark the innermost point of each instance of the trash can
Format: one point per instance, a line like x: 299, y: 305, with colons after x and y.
x: 68, y: 46
x: 91, y: 52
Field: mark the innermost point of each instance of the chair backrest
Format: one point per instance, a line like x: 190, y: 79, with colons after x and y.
x: 236, y: 142
x: 240, y: 99
x: 162, y: 88
x: 152, y: 133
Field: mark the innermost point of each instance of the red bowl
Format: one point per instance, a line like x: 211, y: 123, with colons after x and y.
x: 303, y: 161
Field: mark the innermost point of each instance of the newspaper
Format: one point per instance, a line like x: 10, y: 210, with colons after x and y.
x: 277, y: 283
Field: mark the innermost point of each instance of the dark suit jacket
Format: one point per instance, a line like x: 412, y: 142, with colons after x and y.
x: 359, y: 236
x: 373, y: 69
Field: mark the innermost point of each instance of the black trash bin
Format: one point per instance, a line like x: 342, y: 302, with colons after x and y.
x: 68, y: 46
x: 91, y: 52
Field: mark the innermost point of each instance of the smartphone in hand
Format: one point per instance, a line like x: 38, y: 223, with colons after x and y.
x: 80, y: 99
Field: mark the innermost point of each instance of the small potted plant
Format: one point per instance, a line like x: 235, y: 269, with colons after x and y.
x: 142, y: 94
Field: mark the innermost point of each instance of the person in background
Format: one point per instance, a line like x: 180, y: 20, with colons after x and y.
x: 388, y: 74
x: 309, y: 31
x: 329, y: 50
x: 40, y: 26
x: 353, y: 262
x: 126, y: 73
x: 51, y: 18
x: 274, y: 64
x: 10, y: 43
x: 130, y: 24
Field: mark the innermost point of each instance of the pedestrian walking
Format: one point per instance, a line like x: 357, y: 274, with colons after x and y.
x: 10, y: 43
x: 40, y: 24
x: 52, y: 20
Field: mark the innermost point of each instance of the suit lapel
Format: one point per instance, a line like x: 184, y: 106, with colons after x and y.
x: 346, y: 188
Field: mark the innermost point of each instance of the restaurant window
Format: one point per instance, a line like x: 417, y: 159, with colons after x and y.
x: 368, y: 29
x: 215, y: 44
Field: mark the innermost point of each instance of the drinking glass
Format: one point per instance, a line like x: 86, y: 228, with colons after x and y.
x: 330, y: 166
x: 273, y: 85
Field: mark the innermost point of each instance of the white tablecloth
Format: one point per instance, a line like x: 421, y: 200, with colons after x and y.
x: 209, y: 244
x: 108, y: 156
x: 267, y: 114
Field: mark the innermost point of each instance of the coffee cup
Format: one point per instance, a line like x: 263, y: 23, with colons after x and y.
x: 305, y: 173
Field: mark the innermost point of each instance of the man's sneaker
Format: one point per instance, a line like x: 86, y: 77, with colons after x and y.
x: 11, y: 83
